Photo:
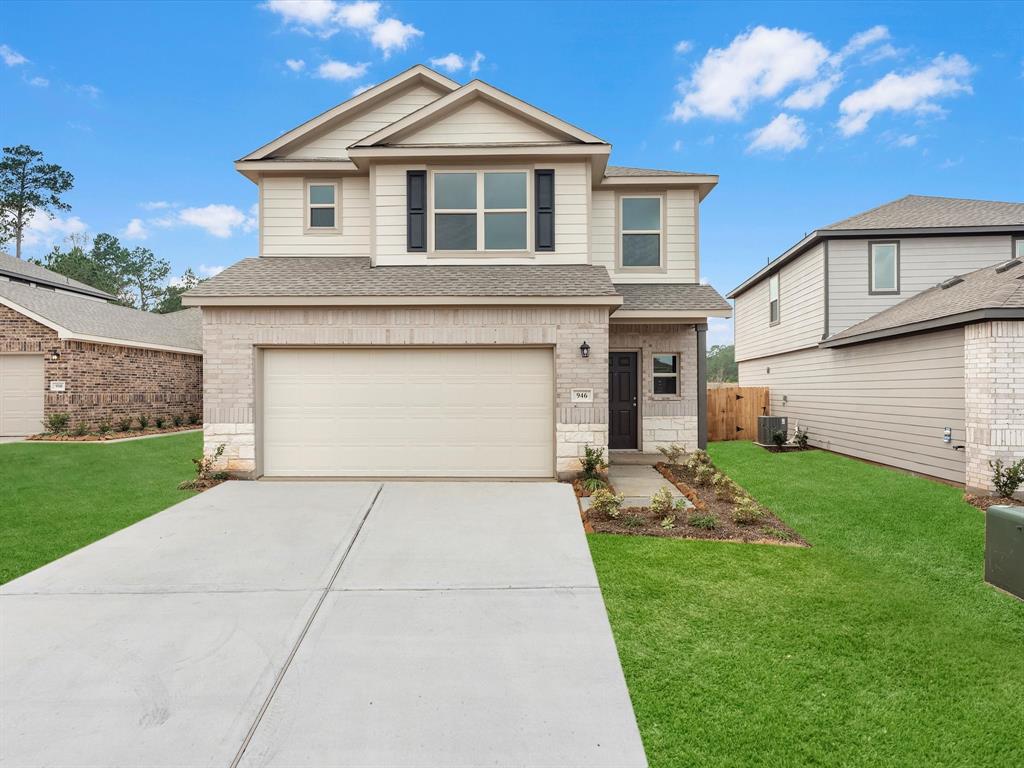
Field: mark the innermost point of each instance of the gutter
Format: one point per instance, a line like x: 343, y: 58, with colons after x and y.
x: 923, y: 326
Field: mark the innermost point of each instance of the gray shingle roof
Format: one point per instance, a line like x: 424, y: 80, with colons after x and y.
x: 89, y: 317
x: 278, y: 276
x: 916, y: 211
x: 984, y: 290
x: 686, y: 297
x: 13, y: 266
x: 623, y: 170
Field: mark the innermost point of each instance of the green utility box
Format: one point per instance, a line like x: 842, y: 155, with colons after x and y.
x: 1004, y: 549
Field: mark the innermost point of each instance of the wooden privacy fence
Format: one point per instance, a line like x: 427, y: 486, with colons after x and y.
x: 733, y: 412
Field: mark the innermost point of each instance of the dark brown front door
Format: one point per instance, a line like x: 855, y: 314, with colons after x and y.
x: 622, y: 394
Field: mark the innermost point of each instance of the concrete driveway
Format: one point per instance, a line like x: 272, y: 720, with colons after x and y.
x: 321, y: 624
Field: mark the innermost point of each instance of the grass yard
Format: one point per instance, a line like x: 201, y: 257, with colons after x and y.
x: 879, y: 646
x: 58, y: 497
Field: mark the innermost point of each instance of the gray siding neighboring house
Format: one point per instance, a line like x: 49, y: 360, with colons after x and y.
x: 881, y: 375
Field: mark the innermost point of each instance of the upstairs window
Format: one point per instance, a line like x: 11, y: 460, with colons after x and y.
x: 480, y: 208
x: 773, y: 299
x: 322, y: 201
x: 666, y: 374
x: 641, y: 236
x: 884, y: 268
x: 1018, y: 248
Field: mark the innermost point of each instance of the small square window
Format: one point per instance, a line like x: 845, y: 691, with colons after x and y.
x: 666, y: 374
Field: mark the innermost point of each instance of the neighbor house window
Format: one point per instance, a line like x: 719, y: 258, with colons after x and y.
x: 1018, y: 248
x: 322, y: 201
x: 480, y: 211
x: 884, y: 268
x: 666, y: 374
x: 641, y: 236
x: 773, y: 298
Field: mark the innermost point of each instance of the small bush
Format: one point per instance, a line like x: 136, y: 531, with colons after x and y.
x: 748, y: 512
x: 124, y: 424
x: 81, y: 429
x: 777, y: 533
x: 193, y: 419
x: 680, y: 504
x: 697, y: 459
x: 592, y: 484
x: 159, y: 422
x: 104, y: 427
x: 177, y: 419
x: 604, y: 502
x: 707, y: 522
x: 661, y: 501
x: 592, y: 461
x: 57, y: 423
x: 779, y: 438
x: 633, y: 521
x: 144, y: 420
x: 724, y: 488
x: 204, y: 471
x: 703, y: 475
x: 800, y: 437
x: 668, y: 522
x: 1007, y: 478
x: 672, y: 452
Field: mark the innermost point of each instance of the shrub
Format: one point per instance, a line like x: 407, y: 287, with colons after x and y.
x: 697, y: 459
x: 144, y: 421
x: 592, y: 461
x: 748, y: 512
x: 633, y: 521
x: 668, y: 522
x: 661, y: 501
x: 104, y: 427
x: 159, y: 422
x: 81, y: 429
x: 703, y: 475
x: 800, y: 437
x: 672, y: 452
x: 177, y: 419
x: 193, y: 418
x: 707, y: 522
x: 124, y: 424
x: 204, y: 471
x: 1007, y: 478
x: 723, y: 486
x: 57, y: 423
x: 680, y: 504
x: 592, y: 484
x: 779, y: 438
x: 604, y: 502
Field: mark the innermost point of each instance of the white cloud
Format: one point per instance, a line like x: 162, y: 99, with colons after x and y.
x: 393, y: 35
x: 304, y: 14
x: 814, y: 95
x: 91, y: 91
x: 48, y: 230
x: 325, y: 18
x: 719, y: 331
x: 883, y: 52
x: 217, y: 219
x: 949, y: 162
x: 914, y: 91
x: 450, y: 63
x: 154, y: 205
x: 683, y: 46
x: 677, y: 146
x: 135, y: 230
x: 361, y: 88
x: 295, y: 65
x: 39, y: 82
x: 904, y: 140
x: 359, y: 15
x: 209, y: 271
x: 474, y: 65
x: 339, y: 70
x: 861, y: 41
x: 785, y: 133
x: 757, y: 65
x: 11, y: 57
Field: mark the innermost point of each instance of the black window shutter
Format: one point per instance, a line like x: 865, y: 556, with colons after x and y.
x: 416, y: 210
x: 544, y: 199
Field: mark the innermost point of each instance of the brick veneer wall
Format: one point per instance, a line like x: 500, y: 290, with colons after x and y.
x: 994, y: 385
x: 664, y: 418
x: 104, y: 381
x: 231, y: 336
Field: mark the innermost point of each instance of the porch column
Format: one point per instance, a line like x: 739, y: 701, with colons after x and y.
x: 702, y: 384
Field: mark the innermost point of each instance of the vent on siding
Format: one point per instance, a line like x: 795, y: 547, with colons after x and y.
x: 951, y: 282
x: 1007, y: 265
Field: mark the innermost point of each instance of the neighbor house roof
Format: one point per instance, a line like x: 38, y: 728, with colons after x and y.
x: 986, y: 294
x: 84, y: 319
x: 910, y: 215
x: 352, y: 280
x: 13, y: 267
x: 665, y: 300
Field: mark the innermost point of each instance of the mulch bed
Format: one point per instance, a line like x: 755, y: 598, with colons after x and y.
x: 97, y: 438
x: 984, y: 502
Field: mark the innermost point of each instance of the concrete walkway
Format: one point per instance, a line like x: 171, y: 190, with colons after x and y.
x: 638, y: 483
x: 321, y: 623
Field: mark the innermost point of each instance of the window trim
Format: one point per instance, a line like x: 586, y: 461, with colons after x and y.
x: 662, y: 234
x: 307, y: 206
x: 480, y: 212
x: 675, y: 376
x: 871, y: 267
x: 777, y: 277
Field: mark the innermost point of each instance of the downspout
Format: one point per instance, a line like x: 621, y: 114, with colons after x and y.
x: 702, y: 384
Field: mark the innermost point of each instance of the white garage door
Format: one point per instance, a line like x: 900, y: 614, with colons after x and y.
x: 21, y: 395
x: 437, y: 412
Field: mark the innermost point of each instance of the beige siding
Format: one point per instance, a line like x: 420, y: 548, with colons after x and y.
x: 333, y: 143
x: 887, y: 401
x: 801, y: 310
x: 680, y: 238
x: 284, y: 214
x: 924, y: 261
x: 478, y: 122
x: 571, y: 195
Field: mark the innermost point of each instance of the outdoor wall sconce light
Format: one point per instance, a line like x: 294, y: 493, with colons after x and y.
x: 54, y: 356
x: 584, y: 349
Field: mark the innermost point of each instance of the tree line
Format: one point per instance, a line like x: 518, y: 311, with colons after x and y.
x: 29, y: 186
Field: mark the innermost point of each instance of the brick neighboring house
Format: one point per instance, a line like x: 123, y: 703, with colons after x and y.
x: 64, y: 348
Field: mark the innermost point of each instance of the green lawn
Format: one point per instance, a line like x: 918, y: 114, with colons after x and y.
x: 57, y: 498
x: 880, y: 645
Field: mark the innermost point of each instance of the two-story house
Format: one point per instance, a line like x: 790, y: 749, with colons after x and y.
x: 452, y: 282
x: 897, y: 336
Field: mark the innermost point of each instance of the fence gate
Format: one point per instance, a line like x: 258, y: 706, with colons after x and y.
x: 733, y: 412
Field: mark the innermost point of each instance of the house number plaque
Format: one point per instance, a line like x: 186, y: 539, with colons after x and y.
x: 582, y: 395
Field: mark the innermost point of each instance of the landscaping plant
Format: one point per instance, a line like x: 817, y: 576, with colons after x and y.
x: 143, y: 421
x: 707, y: 522
x: 633, y: 521
x: 124, y: 424
x: 592, y: 484
x: 205, y: 474
x: 672, y: 452
x: 177, y: 419
x: 667, y: 522
x: 704, y: 474
x: 159, y: 422
x: 800, y: 437
x: 104, y: 427
x: 696, y: 459
x: 593, y: 461
x: 779, y: 438
x: 604, y: 502
x: 57, y: 423
x: 81, y: 429
x: 747, y: 512
x: 661, y: 501
x: 1007, y: 478
x: 193, y: 419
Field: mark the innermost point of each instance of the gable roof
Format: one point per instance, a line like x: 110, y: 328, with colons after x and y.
x: 910, y: 215
x: 995, y: 292
x: 13, y: 267
x: 84, y: 319
x: 336, y: 114
x: 390, y: 135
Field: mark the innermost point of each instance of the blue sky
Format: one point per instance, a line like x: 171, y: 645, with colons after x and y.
x: 808, y: 112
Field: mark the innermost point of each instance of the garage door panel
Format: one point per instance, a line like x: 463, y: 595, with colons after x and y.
x: 21, y: 394
x: 408, y: 412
